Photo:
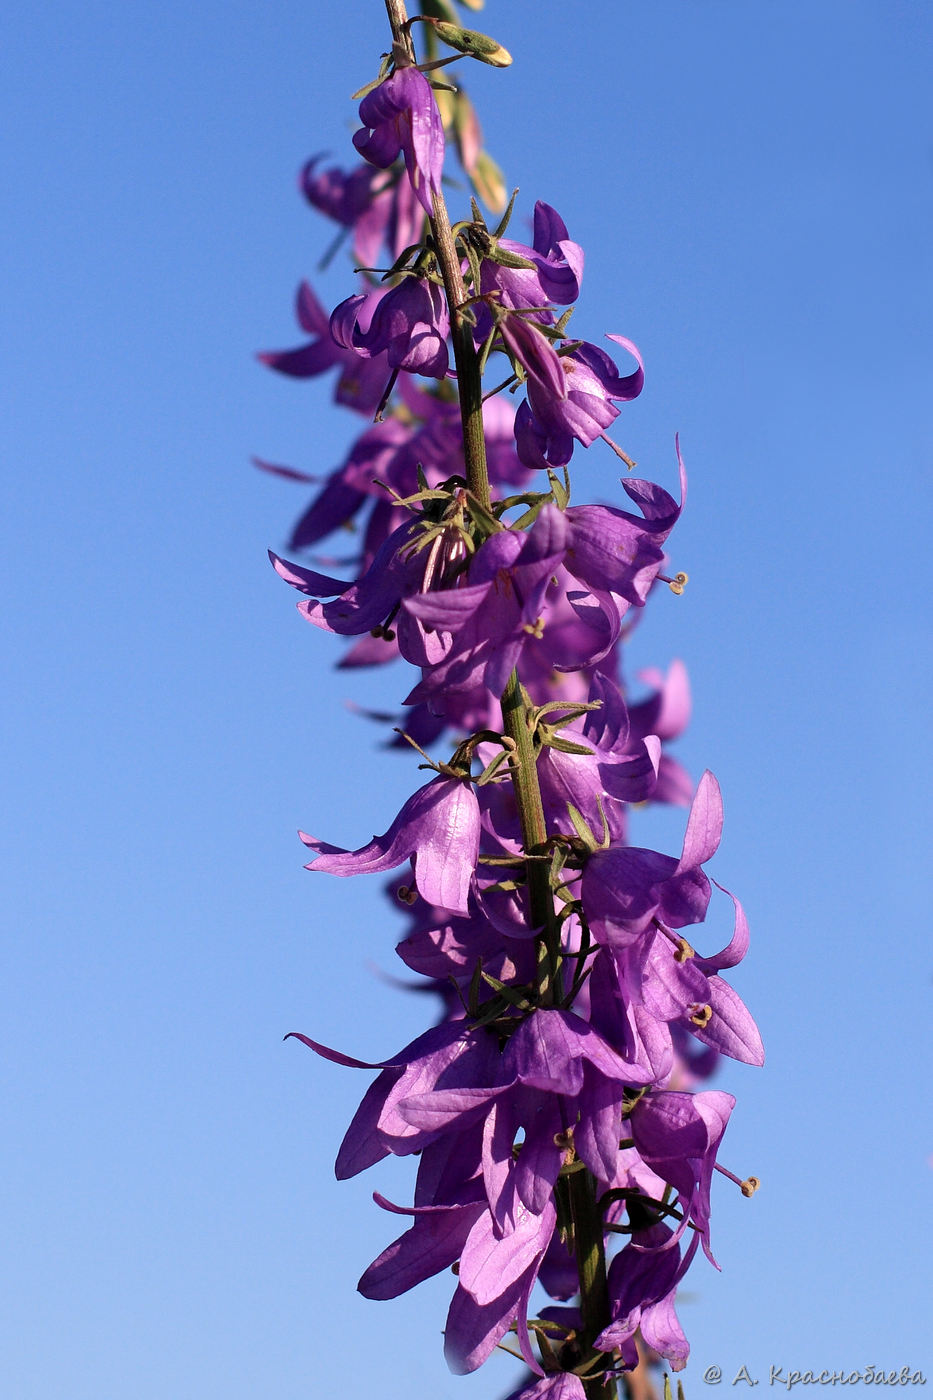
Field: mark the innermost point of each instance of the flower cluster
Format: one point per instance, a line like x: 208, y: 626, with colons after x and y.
x: 553, y: 1108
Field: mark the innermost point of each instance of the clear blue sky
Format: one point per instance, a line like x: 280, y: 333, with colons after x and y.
x: 753, y: 184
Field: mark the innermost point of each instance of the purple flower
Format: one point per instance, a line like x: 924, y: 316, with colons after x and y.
x: 378, y: 208
x: 557, y: 270
x: 438, y: 828
x: 409, y: 323
x: 493, y: 616
x: 362, y: 379
x: 401, y: 115
x: 556, y: 1071
x: 560, y: 1385
x: 666, y: 713
x: 678, y: 1136
x: 643, y: 1280
x: 582, y: 407
x: 626, y: 887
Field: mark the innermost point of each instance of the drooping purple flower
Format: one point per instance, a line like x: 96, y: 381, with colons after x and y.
x: 556, y: 1072
x: 583, y: 408
x: 643, y: 1280
x: 678, y: 1136
x: 401, y: 115
x: 666, y: 713
x: 434, y: 1242
x: 625, y: 887
x: 362, y: 378
x: 343, y: 196
x: 492, y: 617
x: 378, y: 208
x: 474, y: 1329
x: 409, y: 323
x: 438, y: 828
x: 557, y: 268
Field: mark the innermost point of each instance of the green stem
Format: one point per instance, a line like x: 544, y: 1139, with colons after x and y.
x: 516, y: 723
x: 516, y: 715
x: 469, y: 379
x: 591, y: 1270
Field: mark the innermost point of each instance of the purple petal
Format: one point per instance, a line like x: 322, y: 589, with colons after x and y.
x: 704, y: 825
x: 731, y: 1028
x: 489, y: 1264
x: 433, y: 1243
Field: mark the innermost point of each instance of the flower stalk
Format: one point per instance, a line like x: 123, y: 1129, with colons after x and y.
x: 553, y: 1108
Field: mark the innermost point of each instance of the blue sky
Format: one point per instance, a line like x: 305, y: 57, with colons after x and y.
x: 753, y: 186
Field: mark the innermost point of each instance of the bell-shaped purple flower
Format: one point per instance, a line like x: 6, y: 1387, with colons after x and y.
x: 362, y: 378
x: 438, y: 828
x: 401, y: 115
x: 625, y: 888
x: 678, y: 1136
x: 409, y: 323
x: 643, y: 1280
x: 583, y: 408
x: 559, y: 1385
x: 557, y: 268
x: 494, y: 615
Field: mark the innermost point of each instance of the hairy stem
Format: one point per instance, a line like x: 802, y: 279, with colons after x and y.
x: 516, y: 713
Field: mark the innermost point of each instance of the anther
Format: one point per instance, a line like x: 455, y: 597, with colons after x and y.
x: 701, y: 1017
x: 677, y: 584
x: 683, y: 952
x: 406, y: 894
x: 748, y: 1187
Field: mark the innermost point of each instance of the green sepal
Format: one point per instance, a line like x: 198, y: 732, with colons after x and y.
x: 473, y: 259
x: 504, y: 258
x: 552, y: 741
x: 560, y: 490
x: 530, y: 515
x: 581, y: 828
x: 504, y: 886
x: 401, y: 262
x: 484, y: 517
x: 521, y: 498
x: 548, y: 1354
x: 491, y: 771
x: 384, y: 67
x: 503, y: 223
x: 515, y: 996
x: 475, y: 981
x: 594, y: 1365
x: 486, y: 351
x: 472, y: 44
x: 573, y: 709
x: 561, y: 325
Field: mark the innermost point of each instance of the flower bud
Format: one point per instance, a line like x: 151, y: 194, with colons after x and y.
x: 472, y: 44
